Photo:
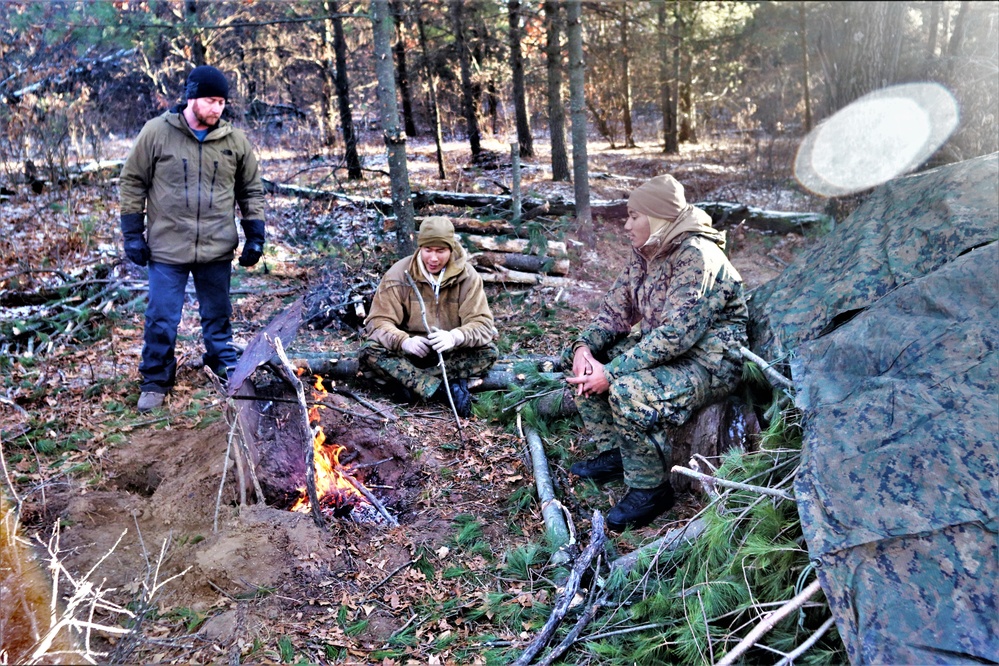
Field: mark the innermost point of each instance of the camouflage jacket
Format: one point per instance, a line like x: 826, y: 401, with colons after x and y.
x: 395, y: 309
x: 689, y: 302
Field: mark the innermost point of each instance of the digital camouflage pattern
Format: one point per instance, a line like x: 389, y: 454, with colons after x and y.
x: 632, y: 415
x: 423, y: 375
x: 682, y: 304
x: 897, y: 490
x: 925, y: 219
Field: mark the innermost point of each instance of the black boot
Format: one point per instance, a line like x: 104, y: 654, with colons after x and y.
x: 459, y: 394
x: 640, y: 506
x: 604, y: 467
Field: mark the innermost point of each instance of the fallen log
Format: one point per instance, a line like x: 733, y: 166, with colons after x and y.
x: 501, y: 275
x: 525, y: 263
x: 555, y: 526
x: 513, y: 245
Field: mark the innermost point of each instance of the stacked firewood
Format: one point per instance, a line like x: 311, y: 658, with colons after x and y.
x: 501, y: 253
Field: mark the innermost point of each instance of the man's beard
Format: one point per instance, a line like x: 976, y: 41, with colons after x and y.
x: 205, y: 120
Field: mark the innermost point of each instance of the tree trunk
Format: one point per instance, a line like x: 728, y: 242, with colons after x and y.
x: 931, y: 42
x: 435, y: 112
x: 329, y: 83
x: 629, y: 136
x: 803, y: 28
x: 199, y: 54
x: 957, y: 35
x: 864, y: 45
x: 519, y: 90
x: 688, y: 103
x: 467, y: 89
x: 402, y: 74
x: 556, y: 112
x: 343, y: 94
x: 577, y: 107
x: 666, y: 102
x: 675, y: 99
x: 395, y: 139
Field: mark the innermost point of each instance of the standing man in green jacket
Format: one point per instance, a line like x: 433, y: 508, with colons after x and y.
x: 665, y: 342
x: 180, y: 186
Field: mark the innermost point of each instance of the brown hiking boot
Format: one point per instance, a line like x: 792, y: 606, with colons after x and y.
x: 150, y: 400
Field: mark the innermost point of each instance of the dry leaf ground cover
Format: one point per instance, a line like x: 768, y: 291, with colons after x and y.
x: 462, y: 580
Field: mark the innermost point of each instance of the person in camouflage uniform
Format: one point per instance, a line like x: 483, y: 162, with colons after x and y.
x: 664, y: 343
x: 398, y: 347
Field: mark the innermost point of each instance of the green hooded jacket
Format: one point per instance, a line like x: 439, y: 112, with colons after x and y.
x: 687, y: 299
x: 189, y: 189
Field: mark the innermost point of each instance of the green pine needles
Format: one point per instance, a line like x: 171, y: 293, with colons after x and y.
x: 695, y: 604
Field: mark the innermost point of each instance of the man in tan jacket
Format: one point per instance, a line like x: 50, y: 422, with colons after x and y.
x: 398, y: 346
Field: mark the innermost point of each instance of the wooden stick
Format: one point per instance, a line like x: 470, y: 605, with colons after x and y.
x: 361, y: 488
x: 774, y: 376
x: 804, y: 647
x: 440, y: 356
x: 769, y: 622
x: 707, y: 478
x: 673, y: 539
x: 597, y: 539
x: 306, y: 427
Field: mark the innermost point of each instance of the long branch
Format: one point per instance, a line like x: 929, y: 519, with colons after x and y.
x: 440, y: 355
x: 768, y: 370
x: 769, y: 623
x: 773, y: 492
x: 597, y: 539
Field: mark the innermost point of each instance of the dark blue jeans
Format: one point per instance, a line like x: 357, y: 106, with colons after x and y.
x: 167, y: 283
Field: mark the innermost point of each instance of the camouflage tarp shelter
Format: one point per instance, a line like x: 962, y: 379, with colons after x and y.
x: 891, y: 331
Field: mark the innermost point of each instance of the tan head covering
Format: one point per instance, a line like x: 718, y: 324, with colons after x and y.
x: 661, y: 199
x: 670, y: 216
x: 438, y: 231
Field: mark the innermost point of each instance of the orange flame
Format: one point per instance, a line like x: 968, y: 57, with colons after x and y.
x: 330, y: 483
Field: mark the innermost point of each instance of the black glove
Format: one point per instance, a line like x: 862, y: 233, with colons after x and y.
x: 251, y: 253
x: 254, y: 245
x: 136, y: 249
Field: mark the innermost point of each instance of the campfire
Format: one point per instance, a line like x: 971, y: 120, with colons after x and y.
x: 340, y: 494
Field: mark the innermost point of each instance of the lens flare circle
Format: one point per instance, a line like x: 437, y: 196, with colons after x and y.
x: 876, y: 138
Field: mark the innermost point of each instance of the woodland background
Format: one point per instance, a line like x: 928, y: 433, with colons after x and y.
x: 718, y: 93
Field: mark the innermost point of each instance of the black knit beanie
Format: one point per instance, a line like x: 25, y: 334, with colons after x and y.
x: 206, y: 81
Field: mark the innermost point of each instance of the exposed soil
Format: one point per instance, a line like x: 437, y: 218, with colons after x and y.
x: 268, y: 572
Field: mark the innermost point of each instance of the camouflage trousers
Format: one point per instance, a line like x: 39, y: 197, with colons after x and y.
x: 634, y: 413
x: 423, y: 375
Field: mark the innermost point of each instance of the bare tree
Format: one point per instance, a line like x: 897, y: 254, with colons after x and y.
x: 395, y: 138
x: 402, y: 72
x: 468, y: 97
x: 435, y: 112
x: 577, y: 108
x: 519, y: 89
x: 626, y: 101
x: 803, y: 28
x: 343, y: 93
x: 667, y: 101
x: 556, y: 111
x: 861, y: 49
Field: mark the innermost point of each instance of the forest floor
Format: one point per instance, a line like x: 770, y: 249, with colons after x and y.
x: 444, y: 587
